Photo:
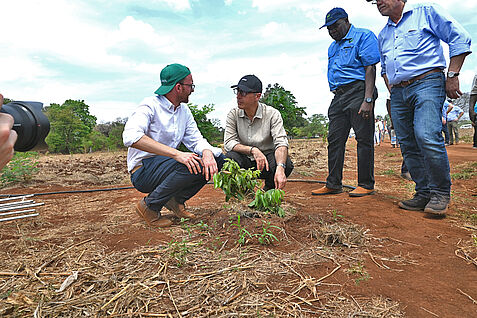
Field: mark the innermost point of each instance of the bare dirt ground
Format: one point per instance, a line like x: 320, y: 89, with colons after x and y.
x: 336, y: 256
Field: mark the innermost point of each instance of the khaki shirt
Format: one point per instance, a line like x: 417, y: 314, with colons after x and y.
x: 474, y: 86
x: 265, y: 131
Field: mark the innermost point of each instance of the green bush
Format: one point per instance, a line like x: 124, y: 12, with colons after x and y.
x: 21, y: 168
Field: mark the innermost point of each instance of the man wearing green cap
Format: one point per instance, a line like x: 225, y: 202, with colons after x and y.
x: 153, y: 133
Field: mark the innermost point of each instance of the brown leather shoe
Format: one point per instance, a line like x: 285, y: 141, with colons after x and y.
x: 361, y: 192
x: 178, y: 209
x: 151, y: 217
x: 325, y: 190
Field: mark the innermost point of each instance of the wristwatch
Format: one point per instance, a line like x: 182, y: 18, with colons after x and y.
x: 451, y: 74
x: 284, y: 166
x: 368, y: 100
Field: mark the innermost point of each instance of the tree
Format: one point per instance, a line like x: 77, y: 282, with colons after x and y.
x: 283, y: 100
x: 113, y: 131
x: 317, y: 125
x: 70, y: 123
x: 210, y: 128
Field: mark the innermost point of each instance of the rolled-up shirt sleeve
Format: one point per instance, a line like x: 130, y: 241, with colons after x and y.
x: 193, y: 139
x: 231, y: 137
x: 137, y: 125
x: 277, y: 130
x: 449, y: 31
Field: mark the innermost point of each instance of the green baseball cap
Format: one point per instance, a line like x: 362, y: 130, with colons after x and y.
x: 170, y: 75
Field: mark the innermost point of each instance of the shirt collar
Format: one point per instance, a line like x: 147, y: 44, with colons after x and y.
x: 258, y: 113
x: 348, y: 35
x: 165, y: 103
x: 407, y: 8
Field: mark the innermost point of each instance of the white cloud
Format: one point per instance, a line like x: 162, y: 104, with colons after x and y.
x: 179, y: 5
x: 228, y: 2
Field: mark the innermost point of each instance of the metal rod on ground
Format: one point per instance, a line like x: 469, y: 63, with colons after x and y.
x: 18, y: 217
x: 20, y: 203
x: 16, y: 198
x: 19, y: 207
x: 4, y: 205
x: 17, y: 212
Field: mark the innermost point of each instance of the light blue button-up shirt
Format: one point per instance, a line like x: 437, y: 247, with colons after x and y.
x: 454, y: 113
x: 412, y: 46
x: 348, y: 57
x: 444, y: 109
x: 156, y: 118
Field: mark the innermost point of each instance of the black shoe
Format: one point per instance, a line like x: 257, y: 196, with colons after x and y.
x: 437, y: 204
x: 418, y: 203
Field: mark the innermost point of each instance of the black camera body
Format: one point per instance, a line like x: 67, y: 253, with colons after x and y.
x: 31, y: 125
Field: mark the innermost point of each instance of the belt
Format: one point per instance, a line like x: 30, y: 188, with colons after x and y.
x: 412, y: 80
x: 136, y: 168
x: 343, y: 88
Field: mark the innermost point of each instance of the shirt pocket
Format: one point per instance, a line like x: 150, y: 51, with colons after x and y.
x: 348, y: 54
x: 411, y: 40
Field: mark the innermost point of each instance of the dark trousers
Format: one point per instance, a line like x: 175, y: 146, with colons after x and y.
x: 245, y: 162
x: 404, y: 168
x: 165, y: 178
x: 343, y: 115
x: 475, y: 134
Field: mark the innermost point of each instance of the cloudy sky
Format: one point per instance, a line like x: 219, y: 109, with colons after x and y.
x: 109, y: 53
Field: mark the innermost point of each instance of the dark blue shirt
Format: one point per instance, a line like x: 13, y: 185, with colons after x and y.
x: 348, y: 57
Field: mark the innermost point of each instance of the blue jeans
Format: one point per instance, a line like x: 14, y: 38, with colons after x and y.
x: 416, y: 111
x: 165, y: 178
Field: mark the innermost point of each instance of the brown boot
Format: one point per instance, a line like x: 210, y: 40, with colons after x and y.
x: 178, y: 209
x: 151, y: 217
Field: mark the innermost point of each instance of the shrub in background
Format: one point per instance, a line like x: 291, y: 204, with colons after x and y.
x: 21, y: 168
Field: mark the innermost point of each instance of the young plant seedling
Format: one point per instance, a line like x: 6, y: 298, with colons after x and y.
x: 244, y: 234
x: 269, y: 201
x: 236, y: 182
x: 179, y: 251
x: 266, y: 237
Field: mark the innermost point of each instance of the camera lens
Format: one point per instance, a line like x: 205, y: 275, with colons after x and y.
x: 30, y: 123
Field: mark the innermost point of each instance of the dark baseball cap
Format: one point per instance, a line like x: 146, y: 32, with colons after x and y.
x: 170, y: 75
x: 334, y: 15
x: 249, y: 84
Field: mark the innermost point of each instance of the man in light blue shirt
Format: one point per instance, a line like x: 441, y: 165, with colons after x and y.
x: 453, y: 124
x: 153, y: 133
x: 412, y: 62
x: 446, y: 108
x: 351, y: 75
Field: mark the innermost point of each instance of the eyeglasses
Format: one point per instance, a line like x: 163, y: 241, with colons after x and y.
x: 240, y: 92
x: 192, y: 86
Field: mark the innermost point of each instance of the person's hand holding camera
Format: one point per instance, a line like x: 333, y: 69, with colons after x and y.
x: 7, y: 137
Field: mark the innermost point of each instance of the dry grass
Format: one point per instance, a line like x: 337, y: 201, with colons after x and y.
x: 210, y: 283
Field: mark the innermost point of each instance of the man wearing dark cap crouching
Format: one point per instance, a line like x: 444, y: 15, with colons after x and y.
x: 255, y: 136
x: 152, y: 133
x: 351, y: 76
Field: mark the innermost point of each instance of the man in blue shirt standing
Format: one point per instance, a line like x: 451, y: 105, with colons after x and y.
x: 351, y: 75
x: 412, y: 61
